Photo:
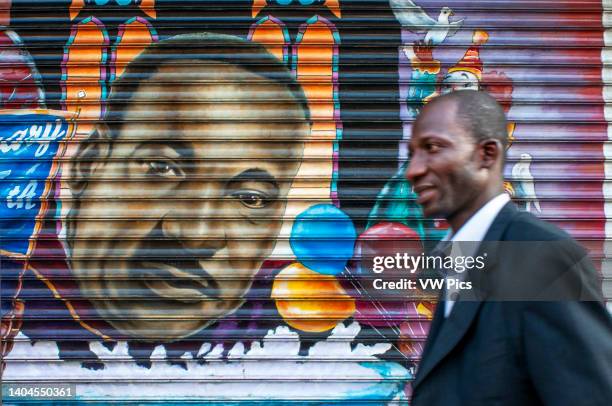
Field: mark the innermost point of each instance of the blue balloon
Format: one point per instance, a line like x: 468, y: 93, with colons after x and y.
x: 322, y: 239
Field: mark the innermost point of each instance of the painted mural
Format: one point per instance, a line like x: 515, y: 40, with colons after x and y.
x: 187, y: 188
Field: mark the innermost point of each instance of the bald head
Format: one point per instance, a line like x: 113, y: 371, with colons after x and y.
x: 456, y: 155
x: 478, y: 113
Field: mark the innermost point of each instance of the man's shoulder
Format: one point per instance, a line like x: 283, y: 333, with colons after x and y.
x: 524, y: 226
x: 536, y: 236
x: 537, y: 259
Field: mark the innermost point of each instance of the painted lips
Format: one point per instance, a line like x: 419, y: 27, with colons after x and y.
x: 171, y: 282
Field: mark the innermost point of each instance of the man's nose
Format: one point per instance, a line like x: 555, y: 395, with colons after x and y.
x: 416, y: 168
x: 200, y: 229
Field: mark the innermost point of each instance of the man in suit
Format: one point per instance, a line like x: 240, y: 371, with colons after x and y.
x: 534, y: 329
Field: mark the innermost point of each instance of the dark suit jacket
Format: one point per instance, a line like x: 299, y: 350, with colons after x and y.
x: 522, y: 352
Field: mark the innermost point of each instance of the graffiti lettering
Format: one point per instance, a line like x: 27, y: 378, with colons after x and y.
x: 28, y: 147
x: 35, y: 133
x: 16, y: 139
x: 17, y: 200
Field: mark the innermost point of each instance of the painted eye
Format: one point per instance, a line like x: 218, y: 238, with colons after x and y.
x: 163, y: 168
x: 252, y: 199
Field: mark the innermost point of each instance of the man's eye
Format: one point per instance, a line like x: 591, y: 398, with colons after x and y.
x: 252, y: 199
x: 433, y: 148
x: 162, y: 168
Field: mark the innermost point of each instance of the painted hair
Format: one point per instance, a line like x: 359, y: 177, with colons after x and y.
x: 205, y: 49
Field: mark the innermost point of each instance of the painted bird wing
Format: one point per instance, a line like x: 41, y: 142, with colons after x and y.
x: 519, y: 171
x: 411, y: 16
x: 435, y: 36
x: 454, y: 27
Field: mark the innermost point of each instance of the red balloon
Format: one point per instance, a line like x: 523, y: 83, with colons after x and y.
x: 385, y: 253
x: 381, y: 290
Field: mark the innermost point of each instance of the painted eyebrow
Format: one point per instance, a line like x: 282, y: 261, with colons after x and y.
x: 255, y: 175
x: 183, y: 149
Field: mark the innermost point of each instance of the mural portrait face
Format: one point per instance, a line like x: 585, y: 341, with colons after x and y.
x: 193, y: 185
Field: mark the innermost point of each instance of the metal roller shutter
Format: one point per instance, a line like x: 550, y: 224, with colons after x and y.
x: 171, y: 229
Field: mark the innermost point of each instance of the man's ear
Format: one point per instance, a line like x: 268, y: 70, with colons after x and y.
x: 90, y: 155
x: 491, y: 152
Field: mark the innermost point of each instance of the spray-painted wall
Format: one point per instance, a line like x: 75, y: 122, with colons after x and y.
x: 184, y: 228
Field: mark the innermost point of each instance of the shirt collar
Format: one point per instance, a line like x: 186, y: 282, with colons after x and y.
x: 477, y: 226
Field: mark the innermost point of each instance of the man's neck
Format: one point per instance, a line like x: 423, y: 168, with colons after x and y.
x: 462, y: 216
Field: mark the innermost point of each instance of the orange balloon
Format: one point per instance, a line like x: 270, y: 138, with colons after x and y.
x: 426, y: 309
x: 310, y: 301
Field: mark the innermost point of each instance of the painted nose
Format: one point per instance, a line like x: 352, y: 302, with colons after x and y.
x: 202, y: 230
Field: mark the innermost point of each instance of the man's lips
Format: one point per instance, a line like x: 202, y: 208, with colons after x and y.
x: 186, y: 284
x: 425, y: 193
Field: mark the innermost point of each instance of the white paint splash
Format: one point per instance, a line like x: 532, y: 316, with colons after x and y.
x: 269, y: 369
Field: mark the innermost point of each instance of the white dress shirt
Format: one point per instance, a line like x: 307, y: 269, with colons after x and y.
x: 473, y: 230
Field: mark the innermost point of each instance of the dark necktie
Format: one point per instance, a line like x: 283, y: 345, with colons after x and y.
x: 441, y: 250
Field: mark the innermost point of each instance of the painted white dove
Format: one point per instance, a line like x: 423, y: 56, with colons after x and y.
x: 521, y: 174
x: 415, y: 19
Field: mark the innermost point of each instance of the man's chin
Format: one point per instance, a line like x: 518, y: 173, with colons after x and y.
x: 431, y: 210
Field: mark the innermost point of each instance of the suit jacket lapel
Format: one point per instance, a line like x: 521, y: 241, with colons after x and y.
x: 435, y: 327
x: 445, y: 334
